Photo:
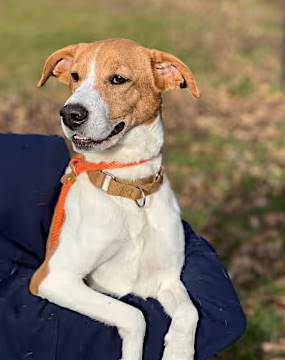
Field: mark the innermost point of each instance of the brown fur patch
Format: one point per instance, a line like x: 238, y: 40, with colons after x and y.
x: 149, y: 72
x: 43, y: 270
x: 138, y: 99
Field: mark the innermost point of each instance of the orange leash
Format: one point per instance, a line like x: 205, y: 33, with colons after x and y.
x: 77, y: 165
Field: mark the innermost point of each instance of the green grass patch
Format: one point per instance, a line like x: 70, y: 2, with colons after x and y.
x: 262, y: 326
x: 32, y: 30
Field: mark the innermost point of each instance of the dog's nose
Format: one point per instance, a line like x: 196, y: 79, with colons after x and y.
x: 73, y: 115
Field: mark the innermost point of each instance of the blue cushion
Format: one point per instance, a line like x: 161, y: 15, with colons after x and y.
x: 34, y: 329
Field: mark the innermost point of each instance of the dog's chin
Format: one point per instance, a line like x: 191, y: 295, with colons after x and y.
x: 82, y: 143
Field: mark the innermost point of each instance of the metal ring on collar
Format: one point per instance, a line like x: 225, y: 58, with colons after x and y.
x: 141, y: 205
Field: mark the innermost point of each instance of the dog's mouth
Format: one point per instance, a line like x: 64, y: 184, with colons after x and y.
x: 85, y: 142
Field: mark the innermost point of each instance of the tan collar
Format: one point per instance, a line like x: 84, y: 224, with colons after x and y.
x: 134, y: 190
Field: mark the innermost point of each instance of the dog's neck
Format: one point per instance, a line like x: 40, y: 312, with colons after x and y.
x: 143, y: 142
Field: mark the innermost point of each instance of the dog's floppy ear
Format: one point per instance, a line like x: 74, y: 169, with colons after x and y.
x: 171, y: 73
x: 59, y: 64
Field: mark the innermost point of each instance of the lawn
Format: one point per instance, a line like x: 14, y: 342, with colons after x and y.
x: 225, y: 153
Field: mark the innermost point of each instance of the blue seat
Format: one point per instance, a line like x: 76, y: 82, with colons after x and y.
x: 34, y: 329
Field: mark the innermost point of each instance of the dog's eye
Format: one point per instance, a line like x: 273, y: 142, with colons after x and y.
x: 118, y: 80
x: 74, y: 76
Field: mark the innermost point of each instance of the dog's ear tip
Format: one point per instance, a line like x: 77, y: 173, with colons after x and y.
x: 195, y: 91
x: 40, y: 83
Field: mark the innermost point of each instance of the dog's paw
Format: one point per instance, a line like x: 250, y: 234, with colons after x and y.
x: 177, y: 348
x: 175, y: 354
x: 170, y: 354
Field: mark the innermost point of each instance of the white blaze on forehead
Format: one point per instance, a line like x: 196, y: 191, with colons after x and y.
x: 98, y: 124
x: 86, y: 93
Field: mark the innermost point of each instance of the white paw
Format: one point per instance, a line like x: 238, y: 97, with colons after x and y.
x: 180, y: 339
x: 178, y: 347
x: 175, y: 354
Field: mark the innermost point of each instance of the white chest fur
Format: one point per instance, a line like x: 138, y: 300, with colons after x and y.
x: 121, y: 247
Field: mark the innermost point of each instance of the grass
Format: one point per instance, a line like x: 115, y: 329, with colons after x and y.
x: 41, y: 28
x: 32, y: 30
x: 259, y: 330
x: 224, y: 153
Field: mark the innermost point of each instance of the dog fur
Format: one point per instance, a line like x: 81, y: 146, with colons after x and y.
x: 108, y: 245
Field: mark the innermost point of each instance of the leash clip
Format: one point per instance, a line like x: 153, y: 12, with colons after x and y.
x: 71, y: 176
x: 68, y: 178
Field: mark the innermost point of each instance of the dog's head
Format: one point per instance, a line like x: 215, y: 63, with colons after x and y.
x: 116, y: 85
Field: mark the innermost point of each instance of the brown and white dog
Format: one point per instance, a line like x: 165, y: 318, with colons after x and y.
x: 108, y: 241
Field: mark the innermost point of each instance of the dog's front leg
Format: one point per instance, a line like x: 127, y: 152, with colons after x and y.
x: 70, y: 291
x: 180, y: 339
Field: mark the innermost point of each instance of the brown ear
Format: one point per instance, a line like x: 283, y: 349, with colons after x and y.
x: 171, y: 73
x: 59, y: 64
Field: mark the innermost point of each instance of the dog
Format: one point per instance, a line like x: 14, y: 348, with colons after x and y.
x: 111, y: 244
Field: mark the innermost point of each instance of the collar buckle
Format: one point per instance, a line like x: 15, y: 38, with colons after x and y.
x: 107, y: 180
